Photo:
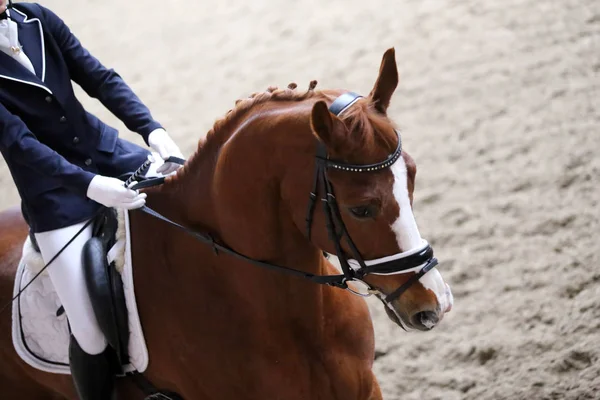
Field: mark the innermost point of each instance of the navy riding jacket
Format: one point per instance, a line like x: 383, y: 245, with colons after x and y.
x: 51, y: 144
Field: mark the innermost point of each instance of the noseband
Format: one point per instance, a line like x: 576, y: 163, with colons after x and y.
x: 419, y: 261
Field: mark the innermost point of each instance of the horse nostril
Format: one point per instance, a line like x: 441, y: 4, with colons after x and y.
x: 425, y: 320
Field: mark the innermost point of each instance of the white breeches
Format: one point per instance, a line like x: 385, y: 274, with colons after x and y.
x: 66, y: 273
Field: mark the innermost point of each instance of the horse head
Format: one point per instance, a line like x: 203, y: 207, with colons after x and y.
x: 372, y: 183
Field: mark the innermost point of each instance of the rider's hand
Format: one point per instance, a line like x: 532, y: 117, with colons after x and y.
x: 111, y: 192
x: 160, y: 141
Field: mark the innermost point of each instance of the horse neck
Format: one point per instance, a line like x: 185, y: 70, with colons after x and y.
x: 231, y: 193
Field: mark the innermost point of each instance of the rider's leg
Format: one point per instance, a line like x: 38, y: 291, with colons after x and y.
x: 88, y: 350
x: 67, y: 275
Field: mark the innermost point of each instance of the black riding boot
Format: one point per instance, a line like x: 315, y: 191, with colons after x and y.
x: 92, y: 374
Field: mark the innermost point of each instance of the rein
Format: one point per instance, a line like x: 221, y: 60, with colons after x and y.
x: 334, y: 280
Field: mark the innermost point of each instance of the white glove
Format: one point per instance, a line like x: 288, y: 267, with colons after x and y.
x: 160, y: 141
x: 111, y: 192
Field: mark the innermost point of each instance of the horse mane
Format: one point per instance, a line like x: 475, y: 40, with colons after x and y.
x: 272, y: 93
x: 367, y: 127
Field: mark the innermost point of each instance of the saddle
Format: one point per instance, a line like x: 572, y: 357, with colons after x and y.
x: 108, y: 274
x: 105, y: 284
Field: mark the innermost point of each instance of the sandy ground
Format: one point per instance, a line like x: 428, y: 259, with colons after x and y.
x: 500, y: 104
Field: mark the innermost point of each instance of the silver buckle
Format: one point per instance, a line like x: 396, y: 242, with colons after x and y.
x: 369, y: 290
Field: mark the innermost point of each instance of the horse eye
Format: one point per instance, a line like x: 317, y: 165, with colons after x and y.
x: 363, y: 212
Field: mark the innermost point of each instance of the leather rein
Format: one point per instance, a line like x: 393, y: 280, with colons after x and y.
x: 406, y: 262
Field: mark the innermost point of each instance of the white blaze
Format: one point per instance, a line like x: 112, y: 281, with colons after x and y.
x: 408, y: 236
x: 405, y: 227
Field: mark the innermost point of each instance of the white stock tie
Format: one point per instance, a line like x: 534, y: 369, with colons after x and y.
x: 9, y: 43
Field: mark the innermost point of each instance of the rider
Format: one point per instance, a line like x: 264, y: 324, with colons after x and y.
x: 64, y: 161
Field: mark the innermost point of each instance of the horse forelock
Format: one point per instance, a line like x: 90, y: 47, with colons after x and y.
x: 370, y: 132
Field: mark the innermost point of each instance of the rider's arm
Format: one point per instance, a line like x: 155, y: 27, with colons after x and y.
x: 18, y: 144
x: 98, y: 81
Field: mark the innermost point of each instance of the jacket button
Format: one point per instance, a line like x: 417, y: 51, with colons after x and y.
x: 88, y: 162
x: 75, y: 140
x: 48, y: 99
x: 63, y: 119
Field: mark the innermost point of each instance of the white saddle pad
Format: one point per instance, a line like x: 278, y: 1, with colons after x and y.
x: 40, y: 337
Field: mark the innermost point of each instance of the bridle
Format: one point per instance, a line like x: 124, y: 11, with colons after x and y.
x: 419, y: 260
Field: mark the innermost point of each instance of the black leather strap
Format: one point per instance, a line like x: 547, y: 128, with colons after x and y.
x: 313, y: 196
x: 175, y: 160
x: 334, y: 280
x: 413, y: 279
x: 143, y: 182
x: 149, y: 182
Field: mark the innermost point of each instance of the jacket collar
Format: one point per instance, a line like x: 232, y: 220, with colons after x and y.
x: 31, y: 38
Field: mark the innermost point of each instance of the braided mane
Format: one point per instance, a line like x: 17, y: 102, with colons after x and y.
x: 367, y: 127
x: 272, y: 93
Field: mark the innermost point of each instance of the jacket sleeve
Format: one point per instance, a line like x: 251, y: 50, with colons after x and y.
x: 19, y: 145
x: 99, y: 82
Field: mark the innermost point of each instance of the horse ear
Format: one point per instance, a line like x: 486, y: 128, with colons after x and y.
x: 386, y: 83
x: 329, y: 128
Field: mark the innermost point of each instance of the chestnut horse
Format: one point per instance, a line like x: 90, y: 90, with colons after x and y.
x: 219, y: 327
